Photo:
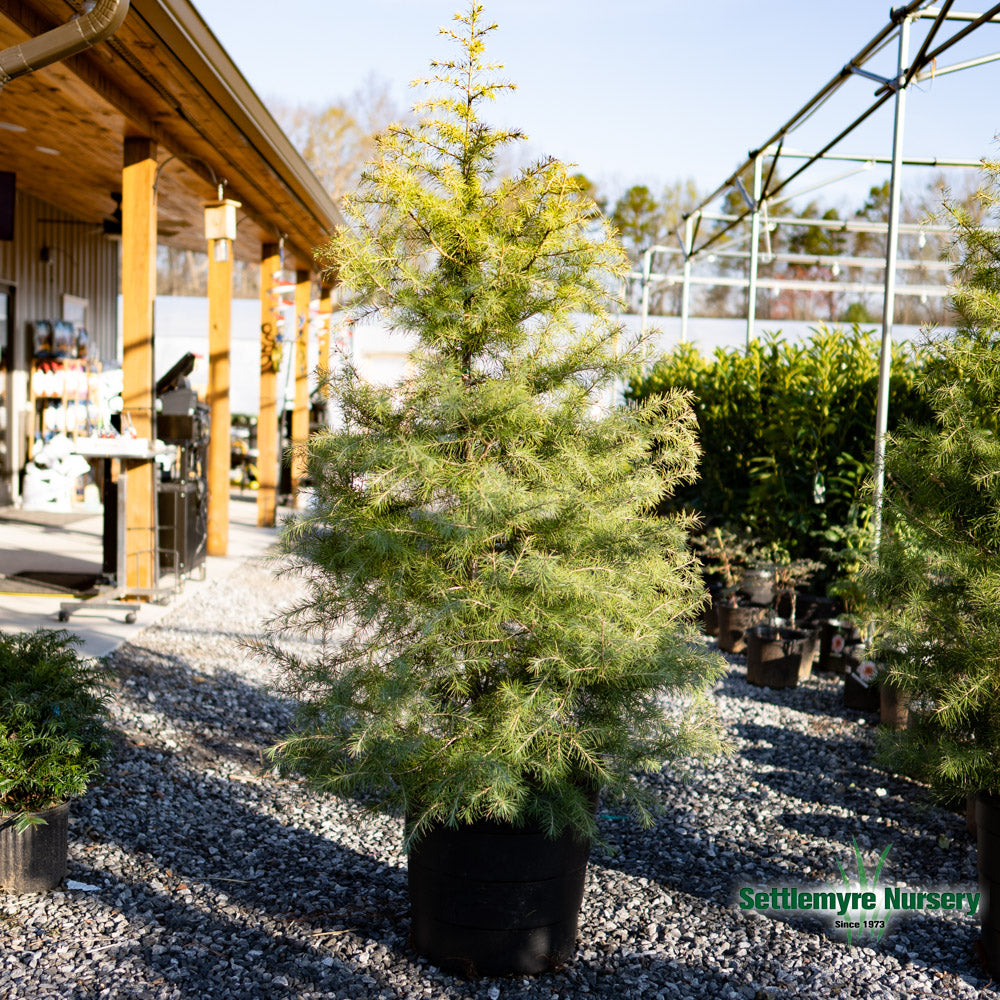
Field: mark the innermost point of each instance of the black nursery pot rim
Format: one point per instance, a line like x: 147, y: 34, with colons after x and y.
x: 9, y: 816
x: 779, y: 633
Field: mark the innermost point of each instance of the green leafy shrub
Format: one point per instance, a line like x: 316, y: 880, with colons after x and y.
x: 516, y: 608
x: 787, y: 431
x: 53, y: 706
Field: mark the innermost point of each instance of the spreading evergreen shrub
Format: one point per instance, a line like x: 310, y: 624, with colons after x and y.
x: 53, y: 707
x: 489, y: 538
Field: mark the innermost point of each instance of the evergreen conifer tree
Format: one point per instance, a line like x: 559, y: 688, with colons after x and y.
x: 939, y: 568
x: 512, y: 610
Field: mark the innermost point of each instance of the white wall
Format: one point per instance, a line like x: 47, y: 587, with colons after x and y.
x: 380, y: 355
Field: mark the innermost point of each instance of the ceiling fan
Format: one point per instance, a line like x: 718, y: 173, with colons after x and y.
x: 111, y: 224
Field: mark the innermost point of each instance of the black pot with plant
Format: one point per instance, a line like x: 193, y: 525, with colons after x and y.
x: 779, y: 657
x: 838, y: 637
x: 488, y: 529
x: 734, y: 621
x: 861, y: 681
x: 53, y: 737
x: 724, y: 556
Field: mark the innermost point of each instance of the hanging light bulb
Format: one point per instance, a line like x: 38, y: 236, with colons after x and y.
x: 922, y: 240
x: 835, y: 270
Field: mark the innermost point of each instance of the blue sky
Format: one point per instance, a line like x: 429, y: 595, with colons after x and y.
x: 631, y: 91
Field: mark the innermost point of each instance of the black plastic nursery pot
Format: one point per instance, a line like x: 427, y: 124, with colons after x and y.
x: 779, y: 657
x: 894, y: 706
x: 34, y: 860
x: 856, y: 695
x: 709, y: 613
x: 988, y: 844
x: 491, y: 899
x: 836, y: 638
x: 733, y: 623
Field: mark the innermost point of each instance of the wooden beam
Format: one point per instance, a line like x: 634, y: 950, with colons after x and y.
x: 325, y: 320
x: 300, y: 414
x: 325, y: 341
x: 267, y: 414
x: 220, y: 309
x: 138, y: 295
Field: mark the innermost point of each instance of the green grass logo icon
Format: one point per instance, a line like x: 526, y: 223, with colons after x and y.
x: 872, y: 923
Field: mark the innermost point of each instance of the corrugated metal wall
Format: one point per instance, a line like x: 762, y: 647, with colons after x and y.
x: 82, y: 262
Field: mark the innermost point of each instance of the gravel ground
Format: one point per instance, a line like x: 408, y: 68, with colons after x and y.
x: 196, y: 874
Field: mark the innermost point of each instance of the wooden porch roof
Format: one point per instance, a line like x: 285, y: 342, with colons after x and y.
x: 165, y: 76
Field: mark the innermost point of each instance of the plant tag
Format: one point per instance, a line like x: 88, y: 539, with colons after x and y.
x: 866, y: 672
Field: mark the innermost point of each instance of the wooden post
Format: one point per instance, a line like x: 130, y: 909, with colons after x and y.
x: 300, y: 414
x: 325, y: 319
x: 138, y: 295
x: 324, y: 340
x: 267, y: 414
x: 220, y: 308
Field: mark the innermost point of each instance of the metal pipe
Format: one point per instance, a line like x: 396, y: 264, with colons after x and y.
x: 805, y: 166
x: 770, y: 172
x: 817, y: 260
x: 889, y: 301
x: 941, y: 18
x: 837, y: 138
x: 845, y: 225
x: 754, y: 250
x: 927, y: 161
x: 686, y: 278
x: 931, y: 74
x: 803, y: 285
x: 62, y: 41
x: 822, y: 184
x: 833, y: 84
x: 955, y: 15
x: 647, y: 265
x: 959, y: 35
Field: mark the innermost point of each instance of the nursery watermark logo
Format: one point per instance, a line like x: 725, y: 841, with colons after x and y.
x: 859, y: 908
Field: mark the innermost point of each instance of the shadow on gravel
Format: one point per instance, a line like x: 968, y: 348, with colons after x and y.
x: 243, y: 905
x: 237, y: 898
x: 238, y: 886
x: 814, y: 696
x: 236, y: 904
x: 217, y: 713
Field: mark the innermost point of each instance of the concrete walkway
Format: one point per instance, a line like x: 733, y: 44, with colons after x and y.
x: 76, y: 548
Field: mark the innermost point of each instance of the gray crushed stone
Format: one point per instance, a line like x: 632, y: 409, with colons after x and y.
x: 211, y: 878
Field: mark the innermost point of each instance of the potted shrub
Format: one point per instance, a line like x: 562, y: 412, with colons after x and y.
x: 723, y: 555
x: 939, y: 561
x: 52, y: 741
x: 516, y: 609
x: 735, y: 604
x: 849, y: 552
x: 861, y: 679
x: 780, y: 655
